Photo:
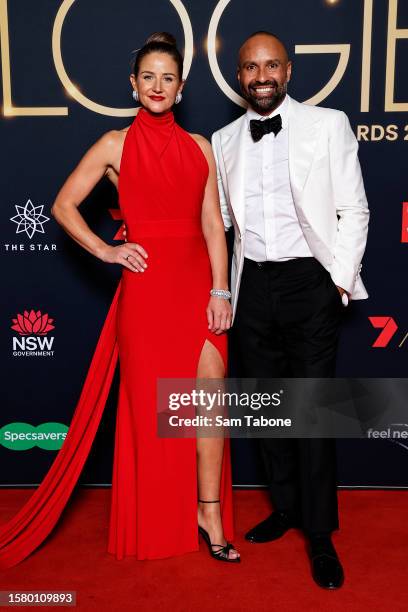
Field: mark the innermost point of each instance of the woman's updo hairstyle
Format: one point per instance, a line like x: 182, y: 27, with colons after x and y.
x: 160, y: 42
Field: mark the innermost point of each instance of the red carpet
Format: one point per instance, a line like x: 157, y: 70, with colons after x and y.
x: 373, y: 544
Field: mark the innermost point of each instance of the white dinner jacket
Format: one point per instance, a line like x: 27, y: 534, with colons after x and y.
x: 327, y: 188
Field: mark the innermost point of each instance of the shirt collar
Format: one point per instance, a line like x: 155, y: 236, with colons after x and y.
x: 281, y: 110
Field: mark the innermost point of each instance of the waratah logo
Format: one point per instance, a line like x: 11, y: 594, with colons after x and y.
x: 30, y: 219
x: 32, y: 322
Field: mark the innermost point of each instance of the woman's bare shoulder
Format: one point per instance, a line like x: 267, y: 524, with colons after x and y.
x: 114, y: 138
x: 200, y: 139
x: 109, y: 147
x: 203, y: 143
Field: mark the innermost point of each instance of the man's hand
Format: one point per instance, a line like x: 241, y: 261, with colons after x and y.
x: 341, y: 291
x: 344, y: 295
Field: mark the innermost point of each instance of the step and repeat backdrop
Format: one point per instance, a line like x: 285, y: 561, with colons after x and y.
x: 65, y: 69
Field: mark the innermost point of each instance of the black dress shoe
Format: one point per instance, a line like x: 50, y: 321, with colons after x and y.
x: 327, y: 571
x: 272, y: 528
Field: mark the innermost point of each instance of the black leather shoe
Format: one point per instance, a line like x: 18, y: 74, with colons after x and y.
x: 327, y: 570
x: 272, y: 528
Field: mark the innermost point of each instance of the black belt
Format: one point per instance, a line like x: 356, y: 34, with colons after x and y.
x: 298, y: 261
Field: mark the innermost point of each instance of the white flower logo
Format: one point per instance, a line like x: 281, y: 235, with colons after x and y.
x: 30, y: 219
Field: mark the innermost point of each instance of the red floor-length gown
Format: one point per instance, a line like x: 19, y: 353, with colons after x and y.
x: 157, y: 326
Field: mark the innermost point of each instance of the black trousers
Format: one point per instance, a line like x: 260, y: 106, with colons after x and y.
x: 287, y: 325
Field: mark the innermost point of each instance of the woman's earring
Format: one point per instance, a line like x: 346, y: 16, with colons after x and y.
x: 178, y: 99
x: 135, y: 95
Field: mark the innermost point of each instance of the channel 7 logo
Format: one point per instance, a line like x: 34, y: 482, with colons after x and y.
x: 404, y: 234
x: 388, y: 328
x: 116, y: 215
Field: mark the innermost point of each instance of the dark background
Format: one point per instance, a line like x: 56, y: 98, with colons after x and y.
x: 38, y: 152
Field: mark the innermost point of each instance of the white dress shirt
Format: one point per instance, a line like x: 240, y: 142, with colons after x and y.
x: 272, y: 229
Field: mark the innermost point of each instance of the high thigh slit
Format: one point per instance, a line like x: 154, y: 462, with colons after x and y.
x: 156, y: 327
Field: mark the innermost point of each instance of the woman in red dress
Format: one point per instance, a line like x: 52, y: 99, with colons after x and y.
x: 162, y: 323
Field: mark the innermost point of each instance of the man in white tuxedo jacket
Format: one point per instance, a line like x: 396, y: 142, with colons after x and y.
x: 290, y: 184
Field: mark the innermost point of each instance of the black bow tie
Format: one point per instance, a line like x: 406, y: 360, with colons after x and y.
x: 259, y: 128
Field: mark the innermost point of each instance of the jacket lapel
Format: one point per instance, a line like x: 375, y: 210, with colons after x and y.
x: 233, y: 151
x: 304, y: 129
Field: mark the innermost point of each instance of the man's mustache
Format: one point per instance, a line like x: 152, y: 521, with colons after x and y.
x: 264, y: 84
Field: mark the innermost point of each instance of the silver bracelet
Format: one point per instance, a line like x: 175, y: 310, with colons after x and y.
x: 221, y: 293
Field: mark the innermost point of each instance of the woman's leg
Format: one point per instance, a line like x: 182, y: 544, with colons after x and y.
x: 209, y: 458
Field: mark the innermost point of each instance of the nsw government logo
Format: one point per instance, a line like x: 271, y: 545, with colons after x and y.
x: 32, y: 328
x: 29, y: 221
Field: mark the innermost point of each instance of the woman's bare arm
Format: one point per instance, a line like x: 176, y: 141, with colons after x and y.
x: 103, y: 157
x: 219, y: 310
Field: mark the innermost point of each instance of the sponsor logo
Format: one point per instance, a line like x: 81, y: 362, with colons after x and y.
x: 29, y: 220
x: 388, y: 328
x: 116, y: 214
x: 32, y: 328
x: 395, y: 432
x: 404, y: 235
x: 23, y: 436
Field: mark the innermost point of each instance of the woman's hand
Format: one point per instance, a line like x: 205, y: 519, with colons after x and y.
x: 130, y: 255
x: 219, y: 315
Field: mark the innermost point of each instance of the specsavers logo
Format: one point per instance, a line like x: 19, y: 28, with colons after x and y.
x: 23, y: 436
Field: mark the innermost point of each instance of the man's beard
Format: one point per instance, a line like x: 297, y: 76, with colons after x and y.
x: 266, y: 104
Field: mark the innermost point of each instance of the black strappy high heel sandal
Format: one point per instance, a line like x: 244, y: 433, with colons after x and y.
x: 222, y: 554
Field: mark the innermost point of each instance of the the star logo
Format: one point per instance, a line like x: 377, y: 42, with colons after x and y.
x: 30, y: 219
